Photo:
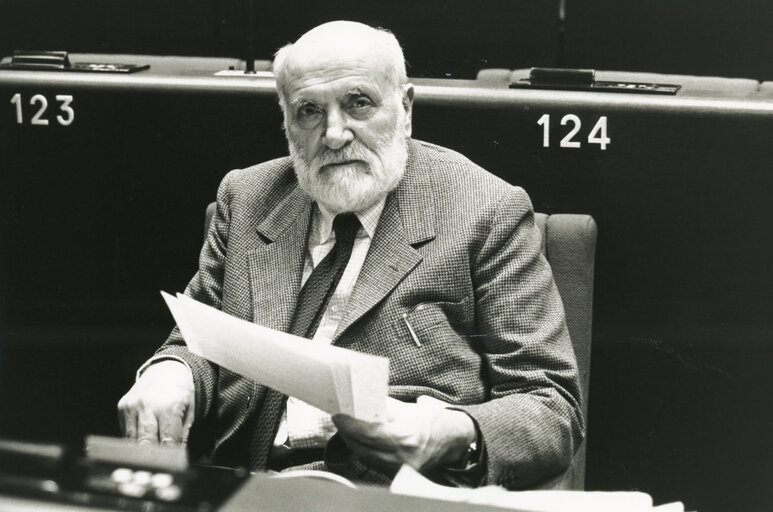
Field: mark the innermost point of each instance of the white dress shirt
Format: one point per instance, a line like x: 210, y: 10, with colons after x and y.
x: 305, y: 426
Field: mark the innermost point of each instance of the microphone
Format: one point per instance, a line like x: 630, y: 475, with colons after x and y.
x: 250, y: 58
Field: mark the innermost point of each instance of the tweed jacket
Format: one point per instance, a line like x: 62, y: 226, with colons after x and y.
x: 456, y: 254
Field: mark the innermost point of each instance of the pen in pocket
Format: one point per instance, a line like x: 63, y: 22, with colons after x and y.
x: 410, y: 329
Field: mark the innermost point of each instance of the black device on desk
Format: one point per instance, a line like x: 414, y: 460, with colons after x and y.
x: 585, y: 80
x: 114, y: 474
x: 47, y: 60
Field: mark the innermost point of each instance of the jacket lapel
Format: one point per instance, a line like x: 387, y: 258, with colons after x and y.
x: 277, y: 266
x: 406, y: 221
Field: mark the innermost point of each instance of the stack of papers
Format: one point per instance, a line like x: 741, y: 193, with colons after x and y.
x: 334, y: 379
x: 410, y: 482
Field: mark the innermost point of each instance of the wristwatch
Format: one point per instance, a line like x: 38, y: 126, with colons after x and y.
x: 471, y: 457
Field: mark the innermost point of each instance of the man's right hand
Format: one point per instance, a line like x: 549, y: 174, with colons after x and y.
x: 160, y: 405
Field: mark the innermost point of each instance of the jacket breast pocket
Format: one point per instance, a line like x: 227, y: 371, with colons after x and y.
x: 424, y: 320
x: 433, y: 351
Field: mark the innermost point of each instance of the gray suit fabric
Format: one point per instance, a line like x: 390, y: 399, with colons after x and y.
x: 457, y: 251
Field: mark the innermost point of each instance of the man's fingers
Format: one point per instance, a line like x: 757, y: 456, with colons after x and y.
x: 158, y: 405
x: 372, y: 456
x: 121, y: 420
x: 364, y: 438
x: 188, y: 423
x: 127, y: 417
x: 170, y: 427
x: 365, y: 432
x: 147, y: 427
x: 386, y: 437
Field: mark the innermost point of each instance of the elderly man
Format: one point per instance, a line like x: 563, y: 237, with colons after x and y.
x: 373, y: 241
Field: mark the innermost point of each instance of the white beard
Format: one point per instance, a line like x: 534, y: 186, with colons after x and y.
x: 353, y: 187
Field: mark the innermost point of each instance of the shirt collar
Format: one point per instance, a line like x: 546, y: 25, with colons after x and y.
x: 323, y: 220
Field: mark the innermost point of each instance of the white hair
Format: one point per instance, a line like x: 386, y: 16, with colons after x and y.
x: 383, y: 38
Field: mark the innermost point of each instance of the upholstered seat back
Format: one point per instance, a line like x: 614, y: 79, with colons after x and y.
x: 569, y: 243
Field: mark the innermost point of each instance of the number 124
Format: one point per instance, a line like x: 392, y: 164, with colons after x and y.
x: 598, y: 135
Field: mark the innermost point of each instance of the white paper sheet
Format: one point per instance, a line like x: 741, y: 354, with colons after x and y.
x: 410, y: 482
x: 334, y: 379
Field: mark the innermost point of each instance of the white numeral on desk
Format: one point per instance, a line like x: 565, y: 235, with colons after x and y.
x: 567, y: 141
x: 39, y: 104
x: 544, y: 121
x: 16, y: 100
x: 597, y: 135
x: 65, y: 100
x: 36, y: 119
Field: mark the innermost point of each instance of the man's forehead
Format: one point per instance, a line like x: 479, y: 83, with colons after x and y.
x: 343, y: 73
x: 328, y: 88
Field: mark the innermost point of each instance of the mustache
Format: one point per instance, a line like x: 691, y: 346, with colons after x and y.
x: 352, y: 151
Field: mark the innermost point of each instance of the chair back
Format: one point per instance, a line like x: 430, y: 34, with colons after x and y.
x: 569, y: 244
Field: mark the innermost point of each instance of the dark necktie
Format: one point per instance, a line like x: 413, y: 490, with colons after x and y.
x: 312, y: 303
x: 319, y: 287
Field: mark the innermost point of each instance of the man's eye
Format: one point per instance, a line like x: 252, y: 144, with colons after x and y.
x: 361, y: 103
x: 307, y: 111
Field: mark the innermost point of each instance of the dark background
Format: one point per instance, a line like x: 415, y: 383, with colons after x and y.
x: 99, y: 216
x: 441, y: 37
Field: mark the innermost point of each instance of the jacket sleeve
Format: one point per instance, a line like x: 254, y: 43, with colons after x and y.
x: 532, y: 422
x: 205, y: 287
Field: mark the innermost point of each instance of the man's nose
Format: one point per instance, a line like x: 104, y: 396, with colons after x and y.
x: 337, y: 132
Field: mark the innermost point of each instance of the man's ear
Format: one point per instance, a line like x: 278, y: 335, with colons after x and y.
x: 408, y: 106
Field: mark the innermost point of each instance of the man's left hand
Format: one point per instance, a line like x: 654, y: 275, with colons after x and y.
x: 423, y: 435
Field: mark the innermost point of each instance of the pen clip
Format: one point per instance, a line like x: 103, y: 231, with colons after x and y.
x: 410, y: 329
